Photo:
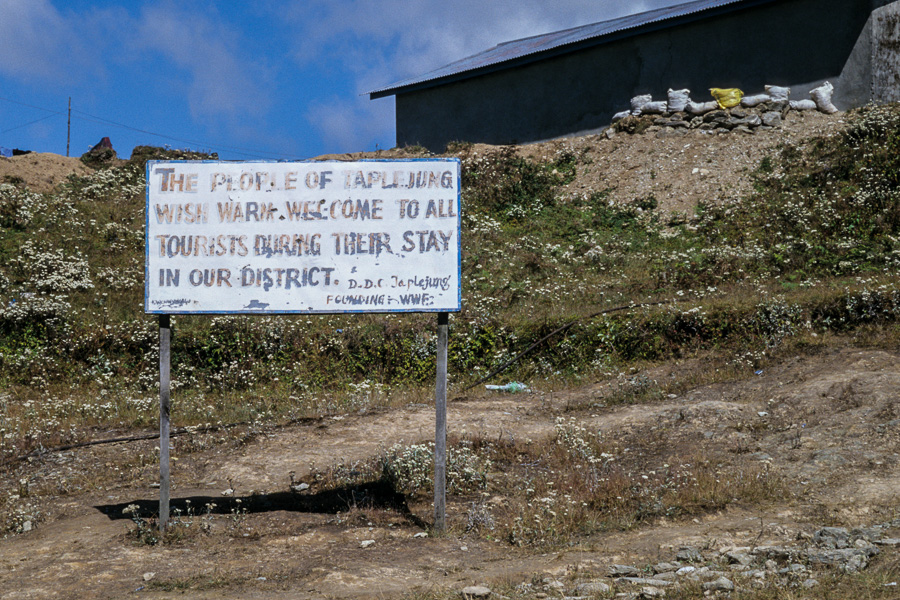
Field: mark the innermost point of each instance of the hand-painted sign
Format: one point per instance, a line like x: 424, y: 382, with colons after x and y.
x: 303, y: 237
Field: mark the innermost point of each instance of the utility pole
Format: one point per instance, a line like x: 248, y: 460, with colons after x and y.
x: 69, y: 127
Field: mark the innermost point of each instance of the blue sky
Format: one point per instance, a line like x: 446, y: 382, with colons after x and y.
x: 254, y: 79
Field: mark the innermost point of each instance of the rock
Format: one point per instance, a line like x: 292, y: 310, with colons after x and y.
x: 722, y: 584
x: 888, y: 542
x: 847, y: 559
x: 810, y: 583
x: 715, y: 115
x: 101, y: 154
x: 772, y: 552
x: 869, y: 534
x: 665, y: 567
x: 367, y: 543
x: 737, y: 557
x: 771, y: 119
x: 667, y: 576
x: 683, y: 571
x: 27, y: 526
x: 553, y: 584
x: 689, y: 553
x: 775, y: 105
x: 644, y: 581
x: 421, y: 534
x: 748, y: 122
x: 300, y: 487
x: 149, y: 575
x: 651, y: 592
x: 832, y: 537
x: 592, y: 588
x: 475, y: 591
x: 623, y: 571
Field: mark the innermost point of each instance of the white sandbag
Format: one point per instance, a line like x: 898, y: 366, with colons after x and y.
x: 678, y: 100
x: 701, y: 108
x: 778, y: 94
x: 803, y: 105
x: 751, y: 101
x: 654, y: 108
x: 621, y: 115
x: 638, y: 102
x: 822, y: 97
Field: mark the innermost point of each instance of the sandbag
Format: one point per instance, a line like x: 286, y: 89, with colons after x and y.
x: 822, y: 97
x: 778, y: 94
x: 678, y: 100
x: 654, y: 108
x: 727, y: 98
x: 751, y: 101
x: 638, y: 102
x: 621, y: 115
x: 700, y: 108
x: 803, y: 105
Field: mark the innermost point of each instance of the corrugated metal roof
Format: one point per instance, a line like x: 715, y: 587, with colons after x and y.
x: 528, y: 49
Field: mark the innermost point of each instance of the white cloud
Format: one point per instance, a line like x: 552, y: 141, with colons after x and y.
x: 219, y: 82
x: 398, y: 38
x: 38, y: 42
x: 351, y: 126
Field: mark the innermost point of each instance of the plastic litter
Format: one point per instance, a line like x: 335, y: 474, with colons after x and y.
x: 512, y: 386
x: 803, y: 105
x: 678, y: 100
x: 638, y: 102
x: 778, y: 94
x: 728, y: 97
x: 822, y: 97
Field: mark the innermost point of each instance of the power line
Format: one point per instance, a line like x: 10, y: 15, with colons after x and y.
x: 33, y: 106
x: 250, y: 152
x: 30, y: 123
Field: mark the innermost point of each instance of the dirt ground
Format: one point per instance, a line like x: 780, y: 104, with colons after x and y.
x: 41, y: 171
x: 828, y: 423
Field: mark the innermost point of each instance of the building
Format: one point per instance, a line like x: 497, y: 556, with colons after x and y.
x: 572, y: 82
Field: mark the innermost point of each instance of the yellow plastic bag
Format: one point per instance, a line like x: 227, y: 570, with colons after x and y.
x: 727, y: 98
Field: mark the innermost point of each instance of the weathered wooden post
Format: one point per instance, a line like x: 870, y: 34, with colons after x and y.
x: 165, y: 353
x: 440, y: 426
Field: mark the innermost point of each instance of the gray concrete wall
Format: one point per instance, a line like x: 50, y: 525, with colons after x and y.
x: 797, y: 43
x: 885, y: 24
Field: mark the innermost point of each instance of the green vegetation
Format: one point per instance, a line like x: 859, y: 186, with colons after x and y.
x: 812, y: 251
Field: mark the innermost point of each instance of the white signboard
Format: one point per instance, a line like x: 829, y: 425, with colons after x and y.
x: 303, y: 237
